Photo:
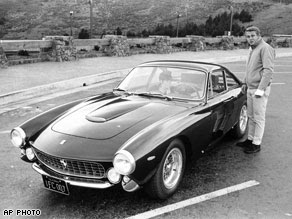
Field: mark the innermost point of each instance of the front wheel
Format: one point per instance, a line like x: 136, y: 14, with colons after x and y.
x: 169, y: 173
x: 240, y: 128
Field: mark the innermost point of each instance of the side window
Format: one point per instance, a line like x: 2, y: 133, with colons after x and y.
x: 216, y: 83
x: 230, y: 81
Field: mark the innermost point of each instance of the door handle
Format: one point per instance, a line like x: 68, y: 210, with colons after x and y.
x: 229, y: 99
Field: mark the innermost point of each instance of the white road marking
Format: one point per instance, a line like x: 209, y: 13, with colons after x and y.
x: 242, y: 72
x: 195, y: 200
x: 278, y: 83
x: 4, y: 132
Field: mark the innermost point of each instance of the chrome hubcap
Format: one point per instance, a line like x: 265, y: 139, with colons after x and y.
x: 172, y: 168
x: 243, y: 118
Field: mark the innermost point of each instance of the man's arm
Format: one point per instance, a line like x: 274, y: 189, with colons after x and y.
x: 268, y: 59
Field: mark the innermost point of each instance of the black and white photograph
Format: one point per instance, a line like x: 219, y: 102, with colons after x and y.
x: 137, y: 109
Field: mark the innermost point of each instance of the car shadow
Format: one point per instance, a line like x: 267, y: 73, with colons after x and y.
x: 214, y: 170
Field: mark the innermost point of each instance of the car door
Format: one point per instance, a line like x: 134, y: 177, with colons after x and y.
x: 221, y: 103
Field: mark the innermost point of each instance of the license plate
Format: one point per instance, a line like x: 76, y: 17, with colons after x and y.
x: 56, y: 185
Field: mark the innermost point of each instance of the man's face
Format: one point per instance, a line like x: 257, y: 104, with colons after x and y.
x: 252, y: 37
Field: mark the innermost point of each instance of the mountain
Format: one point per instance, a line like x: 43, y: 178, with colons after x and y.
x: 32, y: 19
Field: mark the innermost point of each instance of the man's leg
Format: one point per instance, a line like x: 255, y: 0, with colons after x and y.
x: 260, y: 106
x: 251, y: 124
x: 250, y: 114
x: 259, y: 113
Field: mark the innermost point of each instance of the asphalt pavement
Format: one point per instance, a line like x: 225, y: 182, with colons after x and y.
x: 226, y: 167
x: 26, y: 81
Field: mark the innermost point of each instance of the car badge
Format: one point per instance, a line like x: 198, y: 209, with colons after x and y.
x: 64, y: 163
x: 63, y: 142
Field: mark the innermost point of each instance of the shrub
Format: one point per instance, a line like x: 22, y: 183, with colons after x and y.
x: 83, y: 34
x: 23, y: 53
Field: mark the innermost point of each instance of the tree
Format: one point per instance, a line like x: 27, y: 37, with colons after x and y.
x: 237, y: 30
x: 189, y: 29
x: 209, y: 26
x: 131, y: 34
x: 245, y: 16
x: 145, y: 33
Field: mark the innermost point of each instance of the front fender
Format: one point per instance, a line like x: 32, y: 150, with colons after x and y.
x: 36, y: 124
x: 149, y: 145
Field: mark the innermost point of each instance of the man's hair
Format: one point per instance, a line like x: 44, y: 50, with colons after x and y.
x: 253, y: 28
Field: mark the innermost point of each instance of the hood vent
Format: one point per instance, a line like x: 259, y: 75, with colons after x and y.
x: 95, y: 119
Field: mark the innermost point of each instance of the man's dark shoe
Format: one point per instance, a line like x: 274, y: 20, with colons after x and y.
x: 245, y: 143
x: 253, y: 148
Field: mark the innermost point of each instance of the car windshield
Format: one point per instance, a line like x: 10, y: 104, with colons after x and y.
x: 181, y: 83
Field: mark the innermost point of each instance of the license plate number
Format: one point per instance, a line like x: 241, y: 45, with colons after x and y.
x: 56, y: 185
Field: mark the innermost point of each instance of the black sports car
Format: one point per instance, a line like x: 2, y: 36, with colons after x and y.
x: 141, y: 134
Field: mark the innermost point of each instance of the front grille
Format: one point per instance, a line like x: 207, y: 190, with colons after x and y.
x: 73, y: 178
x: 72, y: 167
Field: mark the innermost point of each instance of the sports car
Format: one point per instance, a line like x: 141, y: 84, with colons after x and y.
x: 139, y: 135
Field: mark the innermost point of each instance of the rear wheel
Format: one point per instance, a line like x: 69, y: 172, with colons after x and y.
x: 169, y: 173
x: 240, y: 128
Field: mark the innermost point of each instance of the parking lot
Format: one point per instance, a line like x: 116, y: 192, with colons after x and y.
x: 216, y: 178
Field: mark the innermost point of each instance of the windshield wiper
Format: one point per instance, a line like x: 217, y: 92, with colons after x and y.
x: 159, y: 95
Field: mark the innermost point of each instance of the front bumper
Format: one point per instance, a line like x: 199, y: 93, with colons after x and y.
x: 74, y: 181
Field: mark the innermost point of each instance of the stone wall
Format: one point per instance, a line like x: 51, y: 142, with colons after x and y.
x: 272, y: 41
x: 227, y: 43
x: 3, y: 59
x: 161, y: 44
x: 287, y: 43
x: 62, y: 50
x: 118, y: 46
x: 197, y: 43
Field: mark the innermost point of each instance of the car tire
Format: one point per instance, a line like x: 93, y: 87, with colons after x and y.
x: 240, y: 128
x: 169, y: 174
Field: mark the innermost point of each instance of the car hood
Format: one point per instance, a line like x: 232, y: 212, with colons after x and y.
x: 96, y: 129
x: 106, y: 119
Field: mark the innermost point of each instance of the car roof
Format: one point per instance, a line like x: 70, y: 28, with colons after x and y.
x: 204, y: 66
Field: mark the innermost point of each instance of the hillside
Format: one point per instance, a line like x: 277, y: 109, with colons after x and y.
x: 32, y: 19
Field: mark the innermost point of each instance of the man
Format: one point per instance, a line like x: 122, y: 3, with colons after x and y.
x: 165, y: 79
x: 257, y: 84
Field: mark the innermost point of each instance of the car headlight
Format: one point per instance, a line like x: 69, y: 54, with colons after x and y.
x: 124, y: 163
x: 17, y: 136
x: 113, y: 176
x: 30, y: 154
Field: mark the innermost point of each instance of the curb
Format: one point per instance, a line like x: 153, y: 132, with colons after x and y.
x: 61, y: 86
x: 93, y: 79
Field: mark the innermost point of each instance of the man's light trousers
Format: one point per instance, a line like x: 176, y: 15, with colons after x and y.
x: 256, y: 110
